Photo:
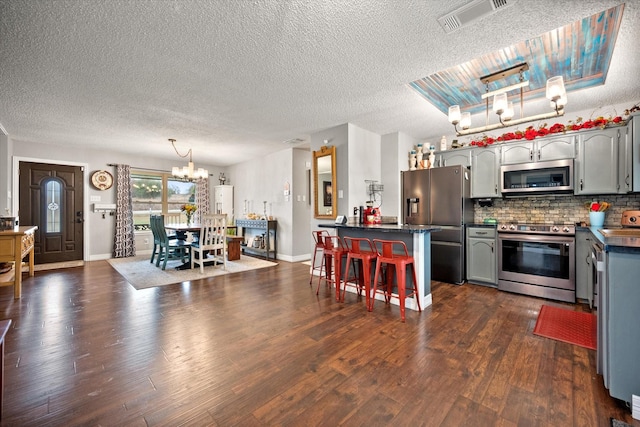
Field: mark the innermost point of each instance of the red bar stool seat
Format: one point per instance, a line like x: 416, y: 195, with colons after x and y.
x: 318, y: 237
x: 397, y: 262
x: 332, y: 254
x: 362, y: 252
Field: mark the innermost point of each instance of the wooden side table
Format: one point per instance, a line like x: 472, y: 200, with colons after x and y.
x: 233, y: 247
x: 14, y: 245
x: 4, y: 328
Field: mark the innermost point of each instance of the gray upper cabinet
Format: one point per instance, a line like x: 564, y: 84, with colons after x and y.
x: 485, y: 172
x: 454, y: 157
x: 596, y: 166
x: 548, y: 148
x: 625, y: 160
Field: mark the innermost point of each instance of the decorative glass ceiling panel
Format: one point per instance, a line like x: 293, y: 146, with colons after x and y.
x: 580, y: 52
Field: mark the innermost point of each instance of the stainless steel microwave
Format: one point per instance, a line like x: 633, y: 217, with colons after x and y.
x: 528, y: 179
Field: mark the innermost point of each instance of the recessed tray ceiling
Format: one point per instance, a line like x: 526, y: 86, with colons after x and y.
x: 580, y: 52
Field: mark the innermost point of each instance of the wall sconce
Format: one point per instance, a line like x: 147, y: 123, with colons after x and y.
x: 555, y: 92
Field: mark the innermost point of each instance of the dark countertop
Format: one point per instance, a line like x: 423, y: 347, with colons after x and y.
x: 482, y: 225
x: 386, y: 227
x: 624, y: 244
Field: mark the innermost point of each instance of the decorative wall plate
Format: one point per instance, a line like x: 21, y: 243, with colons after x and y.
x: 102, y: 180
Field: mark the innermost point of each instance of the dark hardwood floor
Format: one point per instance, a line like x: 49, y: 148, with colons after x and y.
x: 260, y: 348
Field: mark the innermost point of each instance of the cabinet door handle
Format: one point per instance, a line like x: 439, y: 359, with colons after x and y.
x: 581, y: 184
x: 539, y: 154
x: 491, y: 247
x: 496, y: 189
x: 482, y: 232
x: 531, y: 155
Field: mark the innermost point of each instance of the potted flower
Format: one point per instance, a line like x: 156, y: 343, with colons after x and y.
x: 188, y: 210
x: 596, y: 213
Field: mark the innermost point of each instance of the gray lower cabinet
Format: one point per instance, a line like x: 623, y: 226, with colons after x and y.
x: 482, y: 260
x: 485, y: 172
x: 584, y: 279
x: 618, y: 319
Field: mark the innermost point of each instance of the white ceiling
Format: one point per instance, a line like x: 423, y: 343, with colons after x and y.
x: 234, y: 79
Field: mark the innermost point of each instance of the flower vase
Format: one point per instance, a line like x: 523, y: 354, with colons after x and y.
x: 188, y: 219
x: 412, y: 160
x: 596, y: 219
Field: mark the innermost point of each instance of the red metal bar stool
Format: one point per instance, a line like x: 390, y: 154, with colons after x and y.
x: 398, y: 263
x: 362, y: 252
x: 332, y: 254
x: 318, y: 237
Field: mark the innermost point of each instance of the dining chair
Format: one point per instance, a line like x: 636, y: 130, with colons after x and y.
x: 212, y: 243
x: 168, y: 249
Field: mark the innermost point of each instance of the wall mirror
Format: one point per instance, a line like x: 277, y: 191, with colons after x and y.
x: 325, y: 183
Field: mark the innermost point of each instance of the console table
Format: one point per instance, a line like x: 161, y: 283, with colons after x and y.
x: 269, y: 227
x: 15, y: 244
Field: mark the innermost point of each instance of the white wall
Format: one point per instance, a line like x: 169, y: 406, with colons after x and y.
x: 99, y: 232
x: 364, y: 161
x: 395, y: 159
x: 255, y: 182
x: 5, y: 176
x: 302, y: 207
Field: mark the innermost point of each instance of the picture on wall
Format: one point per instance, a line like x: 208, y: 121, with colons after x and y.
x: 327, y: 192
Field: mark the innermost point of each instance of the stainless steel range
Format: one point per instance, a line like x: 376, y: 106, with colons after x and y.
x: 538, y: 260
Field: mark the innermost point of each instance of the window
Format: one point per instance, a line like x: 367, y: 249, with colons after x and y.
x: 53, y: 202
x: 154, y: 193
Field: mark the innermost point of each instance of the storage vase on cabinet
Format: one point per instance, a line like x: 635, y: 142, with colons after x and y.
x: 482, y: 261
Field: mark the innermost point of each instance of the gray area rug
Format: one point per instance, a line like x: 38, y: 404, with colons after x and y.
x: 142, y: 274
x: 618, y: 423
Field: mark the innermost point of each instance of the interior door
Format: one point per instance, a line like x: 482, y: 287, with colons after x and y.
x: 52, y: 197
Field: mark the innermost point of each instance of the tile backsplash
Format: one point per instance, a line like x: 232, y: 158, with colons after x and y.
x: 555, y: 209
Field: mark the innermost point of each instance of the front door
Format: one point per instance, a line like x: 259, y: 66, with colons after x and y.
x: 51, y: 197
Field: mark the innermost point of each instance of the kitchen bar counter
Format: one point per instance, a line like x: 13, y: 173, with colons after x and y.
x: 623, y: 244
x: 418, y: 241
x: 618, y: 299
x: 386, y: 227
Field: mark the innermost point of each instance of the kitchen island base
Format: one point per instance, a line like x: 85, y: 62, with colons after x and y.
x: 418, y: 241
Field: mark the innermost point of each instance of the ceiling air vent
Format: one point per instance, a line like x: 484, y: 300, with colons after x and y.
x: 469, y: 13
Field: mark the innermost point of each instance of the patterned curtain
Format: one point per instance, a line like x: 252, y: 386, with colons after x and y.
x: 202, y: 199
x: 124, y: 244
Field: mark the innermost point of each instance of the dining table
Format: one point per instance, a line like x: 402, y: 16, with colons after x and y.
x: 181, y: 230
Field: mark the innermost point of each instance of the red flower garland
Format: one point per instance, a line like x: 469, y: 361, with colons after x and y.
x: 531, y: 133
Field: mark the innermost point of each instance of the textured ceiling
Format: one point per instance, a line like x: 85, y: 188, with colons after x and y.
x: 233, y: 79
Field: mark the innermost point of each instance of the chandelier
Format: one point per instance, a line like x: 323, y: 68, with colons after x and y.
x: 555, y: 92
x: 188, y: 172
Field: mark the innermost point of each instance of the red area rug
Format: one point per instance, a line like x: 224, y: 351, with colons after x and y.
x: 573, y: 327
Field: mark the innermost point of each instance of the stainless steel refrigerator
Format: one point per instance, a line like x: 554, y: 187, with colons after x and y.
x: 440, y: 196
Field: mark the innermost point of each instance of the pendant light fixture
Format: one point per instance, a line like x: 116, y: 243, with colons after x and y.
x: 188, y: 172
x: 555, y: 92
